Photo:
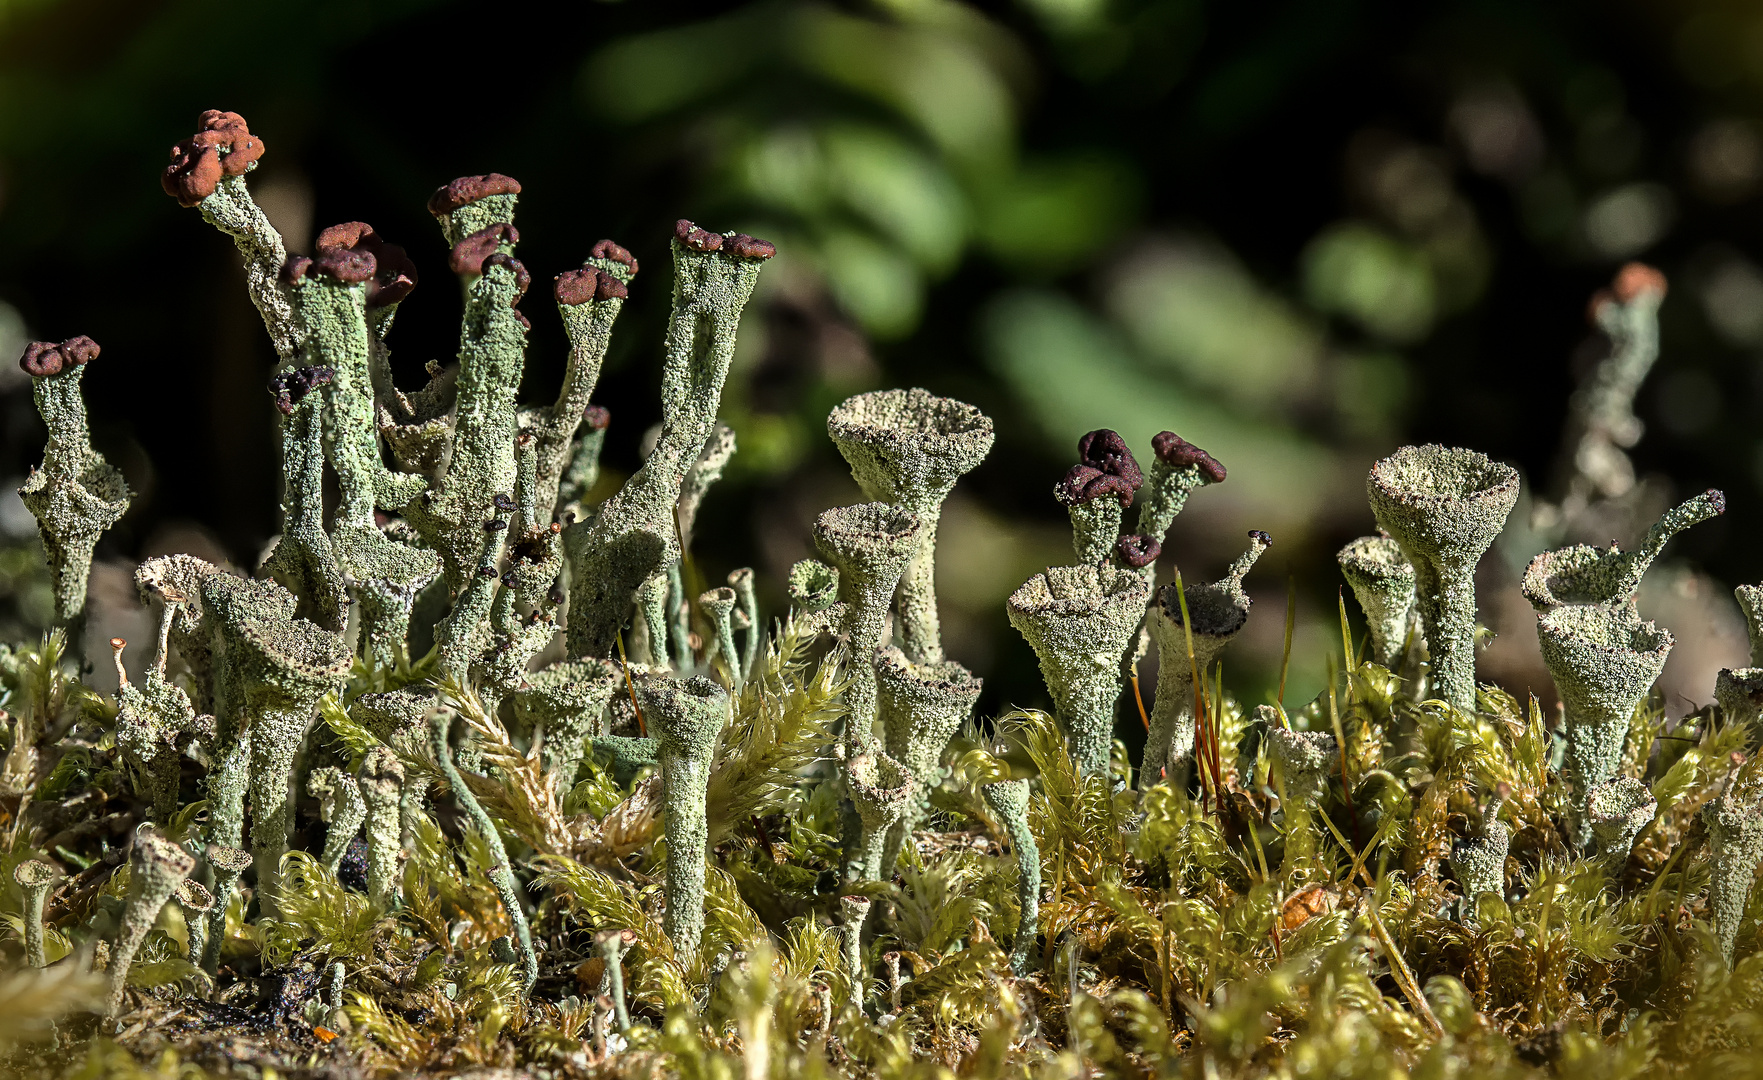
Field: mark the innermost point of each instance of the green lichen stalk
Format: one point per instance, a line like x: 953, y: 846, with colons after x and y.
x: 719, y: 606
x: 1444, y: 507
x: 908, y: 448
x: 855, y: 912
x: 154, y: 723
x: 75, y: 495
x: 1604, y: 660
x: 611, y: 946
x: 1218, y: 612
x: 880, y: 789
x: 1079, y: 620
x: 382, y: 787
x: 34, y: 878
x: 341, y: 806
x: 1735, y: 837
x: 870, y: 546
x: 227, y: 864
x: 1009, y: 800
x: 634, y: 535
x: 686, y: 717
x: 156, y: 866
x: 196, y: 902
x: 501, y: 872
x: 1178, y: 469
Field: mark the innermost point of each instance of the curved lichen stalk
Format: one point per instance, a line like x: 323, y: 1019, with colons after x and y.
x: 75, y: 495
x: 1009, y: 800
x: 634, y: 535
x: 303, y: 561
x: 501, y: 871
x: 1583, y: 574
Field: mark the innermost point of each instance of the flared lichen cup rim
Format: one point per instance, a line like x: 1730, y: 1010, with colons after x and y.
x: 1215, y: 609
x: 227, y: 858
x: 34, y: 874
x: 1445, y: 502
x: 868, y: 533
x: 944, y: 678
x: 1087, y: 590
x: 1376, y: 561
x: 685, y: 714
x: 1606, y: 631
x: 813, y: 584
x: 938, y: 427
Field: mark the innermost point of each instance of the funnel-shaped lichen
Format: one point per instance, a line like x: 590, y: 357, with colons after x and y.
x: 1304, y: 758
x: 719, y: 606
x: 156, y: 865
x: 921, y: 707
x: 1009, y: 800
x: 1735, y: 837
x: 855, y: 912
x: 635, y: 534
x: 1218, y: 612
x: 908, y: 448
x: 1618, y: 809
x: 227, y: 864
x: 566, y: 701
x: 1444, y: 507
x: 1079, y: 620
x: 870, y: 546
x: 1603, y: 661
x: 1383, y: 581
x: 1583, y: 574
x: 880, y: 789
x: 75, y: 495
x: 196, y: 902
x: 686, y: 717
x: 154, y: 724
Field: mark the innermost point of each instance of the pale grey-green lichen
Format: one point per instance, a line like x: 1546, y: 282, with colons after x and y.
x: 1750, y: 598
x: 1382, y: 580
x: 1079, y: 620
x: 611, y: 945
x: 718, y: 605
x: 1009, y: 800
x: 303, y: 561
x: 635, y: 534
x: 341, y: 806
x: 1217, y: 612
x: 625, y: 756
x: 1304, y: 759
x: 1583, y: 574
x: 1740, y: 694
x: 1618, y: 809
x: 34, y: 878
x: 921, y: 707
x: 1735, y: 838
x: 1479, y: 860
x: 880, y: 789
x: 501, y: 872
x: 1178, y: 468
x: 226, y: 864
x: 854, y: 912
x: 382, y: 789
x: 566, y: 702
x: 870, y: 545
x: 686, y: 718
x: 154, y: 724
x: 1444, y: 506
x: 1604, y: 660
x: 271, y: 670
x: 908, y: 448
x: 196, y: 902
x: 741, y: 581
x: 76, y: 494
x: 156, y: 865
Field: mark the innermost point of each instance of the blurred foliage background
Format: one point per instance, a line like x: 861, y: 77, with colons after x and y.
x: 1297, y: 233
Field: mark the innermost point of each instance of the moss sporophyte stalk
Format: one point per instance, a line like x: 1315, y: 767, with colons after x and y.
x: 622, y: 820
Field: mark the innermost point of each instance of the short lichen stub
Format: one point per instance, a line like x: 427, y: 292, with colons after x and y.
x: 621, y: 820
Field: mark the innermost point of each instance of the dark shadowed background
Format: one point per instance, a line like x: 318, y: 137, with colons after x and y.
x: 1297, y: 233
